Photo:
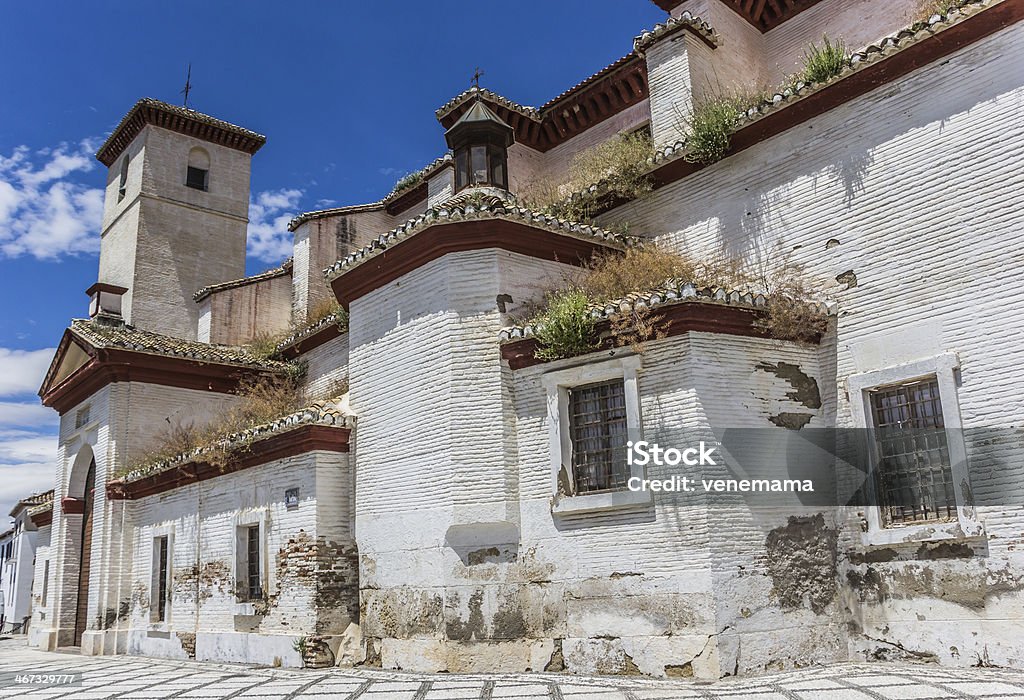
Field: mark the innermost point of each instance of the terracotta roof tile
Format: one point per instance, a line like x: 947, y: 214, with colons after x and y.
x: 495, y: 204
x: 100, y: 335
x: 672, y: 292
x: 329, y: 412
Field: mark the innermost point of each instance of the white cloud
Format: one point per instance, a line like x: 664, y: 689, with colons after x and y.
x: 28, y: 442
x: 45, y: 211
x: 269, y: 214
x: 22, y: 371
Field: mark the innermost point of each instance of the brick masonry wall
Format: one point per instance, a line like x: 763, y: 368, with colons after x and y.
x: 239, y: 315
x: 911, y: 188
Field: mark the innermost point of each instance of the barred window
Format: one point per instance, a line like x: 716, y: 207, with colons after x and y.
x: 160, y: 590
x: 597, y: 424
x: 914, y: 475
x: 254, y: 589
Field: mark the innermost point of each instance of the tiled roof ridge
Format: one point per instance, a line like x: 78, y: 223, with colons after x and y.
x: 464, y: 208
x: 36, y: 503
x: 306, y: 331
x: 674, y: 291
x: 857, y: 60
x: 424, y: 173
x: 686, y: 20
x: 282, y: 269
x: 180, y: 111
x: 535, y: 113
x: 324, y: 412
x: 157, y: 344
x: 466, y: 95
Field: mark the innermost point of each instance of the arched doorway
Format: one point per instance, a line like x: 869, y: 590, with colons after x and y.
x: 82, y: 608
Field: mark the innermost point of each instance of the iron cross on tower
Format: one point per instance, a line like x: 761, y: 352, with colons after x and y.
x: 188, y: 84
x: 476, y: 77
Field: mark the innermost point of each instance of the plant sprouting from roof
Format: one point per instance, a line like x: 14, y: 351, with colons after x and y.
x: 825, y: 61
x: 565, y: 328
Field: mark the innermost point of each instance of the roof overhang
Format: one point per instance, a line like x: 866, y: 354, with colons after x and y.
x: 94, y: 368
x: 148, y: 111
x: 610, y: 91
x: 439, y: 240
x: 762, y: 14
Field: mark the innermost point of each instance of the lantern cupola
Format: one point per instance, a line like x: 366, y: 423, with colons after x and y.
x: 480, y: 141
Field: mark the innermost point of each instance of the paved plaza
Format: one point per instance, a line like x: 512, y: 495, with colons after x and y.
x: 126, y: 677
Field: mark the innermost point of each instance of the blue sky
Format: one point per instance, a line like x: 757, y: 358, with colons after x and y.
x: 345, y: 93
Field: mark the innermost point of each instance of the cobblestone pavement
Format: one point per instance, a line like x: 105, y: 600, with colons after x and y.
x: 126, y: 677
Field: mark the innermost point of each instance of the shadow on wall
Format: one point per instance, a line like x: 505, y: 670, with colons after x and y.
x: 749, y: 225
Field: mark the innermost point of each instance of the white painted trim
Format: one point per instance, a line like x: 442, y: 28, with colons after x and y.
x: 557, y: 382
x: 944, y: 368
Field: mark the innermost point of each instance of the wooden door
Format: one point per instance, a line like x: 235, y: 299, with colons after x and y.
x: 82, y: 611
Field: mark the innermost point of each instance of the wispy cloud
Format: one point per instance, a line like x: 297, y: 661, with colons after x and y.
x: 28, y: 430
x: 46, y: 211
x: 269, y: 214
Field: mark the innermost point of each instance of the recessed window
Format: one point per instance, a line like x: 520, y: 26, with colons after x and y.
x: 254, y: 588
x: 46, y: 582
x: 593, y: 412
x: 122, y: 186
x: 81, y: 417
x: 161, y: 563
x: 914, y: 476
x: 597, y: 425
x: 197, y: 178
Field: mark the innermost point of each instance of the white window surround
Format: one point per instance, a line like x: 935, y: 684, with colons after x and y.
x: 242, y: 521
x: 157, y: 532
x: 557, y: 383
x: 943, y: 367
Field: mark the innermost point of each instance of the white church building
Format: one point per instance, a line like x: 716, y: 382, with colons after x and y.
x: 450, y: 499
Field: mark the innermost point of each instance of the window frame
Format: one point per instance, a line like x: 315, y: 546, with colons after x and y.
x: 155, y: 622
x: 943, y: 368
x: 243, y: 522
x: 557, y: 383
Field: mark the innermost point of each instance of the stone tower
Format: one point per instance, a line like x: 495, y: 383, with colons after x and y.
x: 174, y: 216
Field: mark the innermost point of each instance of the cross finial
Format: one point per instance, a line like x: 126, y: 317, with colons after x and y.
x: 476, y: 77
x: 188, y: 84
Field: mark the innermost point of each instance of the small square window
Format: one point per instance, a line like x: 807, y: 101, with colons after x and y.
x: 81, y: 417
x: 197, y: 178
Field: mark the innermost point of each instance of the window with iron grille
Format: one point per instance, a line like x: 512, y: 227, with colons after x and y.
x: 597, y: 425
x: 914, y: 476
x: 252, y: 561
x: 160, y: 545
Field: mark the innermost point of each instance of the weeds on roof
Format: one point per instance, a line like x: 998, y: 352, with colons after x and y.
x: 709, y: 127
x: 407, y: 181
x: 565, y: 326
x: 826, y: 61
x: 260, y: 401
x: 614, y: 169
x: 265, y: 344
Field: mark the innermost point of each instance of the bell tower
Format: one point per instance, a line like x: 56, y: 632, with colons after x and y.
x: 174, y: 214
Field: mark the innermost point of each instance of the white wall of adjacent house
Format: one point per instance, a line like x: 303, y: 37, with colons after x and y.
x: 17, y: 572
x: 124, y: 421
x: 209, y: 614
x: 915, y: 190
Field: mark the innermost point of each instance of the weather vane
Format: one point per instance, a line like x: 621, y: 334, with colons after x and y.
x: 188, y: 84
x: 476, y: 77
